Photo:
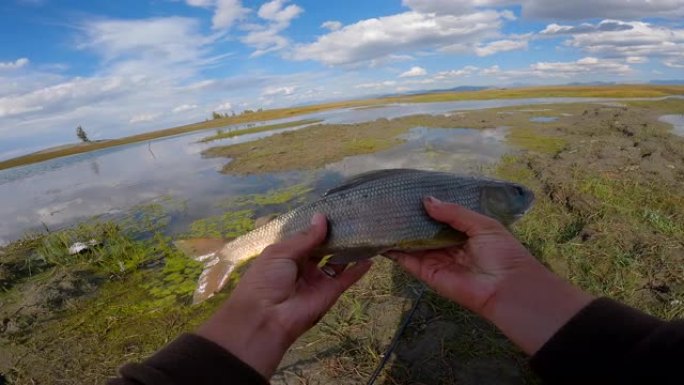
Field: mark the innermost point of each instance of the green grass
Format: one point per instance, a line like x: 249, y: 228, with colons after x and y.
x: 621, y: 91
x: 229, y: 134
x: 534, y: 141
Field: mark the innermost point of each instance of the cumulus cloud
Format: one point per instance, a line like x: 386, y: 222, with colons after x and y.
x: 584, y: 68
x: 267, y: 37
x: 226, y: 12
x: 500, y: 46
x: 12, y: 65
x: 560, y: 9
x: 603, y: 26
x: 641, y: 40
x: 379, y: 38
x: 414, y: 72
x: 184, y: 108
x: 331, y: 25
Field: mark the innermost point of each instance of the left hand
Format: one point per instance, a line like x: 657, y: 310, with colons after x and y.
x: 281, y: 296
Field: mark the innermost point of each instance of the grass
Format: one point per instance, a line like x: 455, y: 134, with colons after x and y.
x: 620, y: 91
x: 143, y: 286
x: 609, y: 217
x: 230, y: 134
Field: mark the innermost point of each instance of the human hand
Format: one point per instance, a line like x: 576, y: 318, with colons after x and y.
x: 282, y: 295
x: 468, y: 274
x: 496, y: 277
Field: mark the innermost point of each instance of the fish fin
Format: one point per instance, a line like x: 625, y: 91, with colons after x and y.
x: 200, y: 249
x: 264, y: 220
x: 212, y: 279
x: 369, y: 176
x: 216, y: 270
x: 352, y: 255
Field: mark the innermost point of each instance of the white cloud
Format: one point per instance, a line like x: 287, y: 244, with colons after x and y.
x: 641, y: 40
x: 12, y: 65
x: 331, y: 25
x: 386, y: 83
x: 378, y: 38
x: 586, y: 68
x: 267, y: 38
x: 184, y: 108
x: 276, y: 11
x: 148, y: 46
x: 465, y: 71
x: 584, y: 65
x: 225, y: 106
x: 142, y: 118
x: 500, y: 46
x: 273, y: 91
x: 603, y: 26
x: 200, y: 3
x: 414, y: 72
x: 560, y: 9
x: 226, y: 12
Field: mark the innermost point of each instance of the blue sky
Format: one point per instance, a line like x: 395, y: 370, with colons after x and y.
x: 129, y: 66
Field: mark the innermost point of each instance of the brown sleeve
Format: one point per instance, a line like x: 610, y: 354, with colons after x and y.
x: 190, y: 359
x: 610, y: 343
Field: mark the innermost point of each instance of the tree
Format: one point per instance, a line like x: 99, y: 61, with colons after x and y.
x: 80, y: 132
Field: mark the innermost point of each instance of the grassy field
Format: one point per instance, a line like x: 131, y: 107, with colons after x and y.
x: 609, y: 215
x: 620, y: 91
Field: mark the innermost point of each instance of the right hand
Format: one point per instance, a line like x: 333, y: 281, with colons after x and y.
x: 468, y: 274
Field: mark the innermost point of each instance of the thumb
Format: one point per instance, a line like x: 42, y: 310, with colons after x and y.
x: 460, y: 218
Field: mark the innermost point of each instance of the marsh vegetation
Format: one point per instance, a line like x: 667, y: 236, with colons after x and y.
x: 609, y: 217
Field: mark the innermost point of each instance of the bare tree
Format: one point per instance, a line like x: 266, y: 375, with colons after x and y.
x: 80, y: 132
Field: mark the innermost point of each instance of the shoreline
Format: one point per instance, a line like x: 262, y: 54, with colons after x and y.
x: 613, y: 91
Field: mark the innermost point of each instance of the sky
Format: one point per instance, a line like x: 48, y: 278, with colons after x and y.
x: 123, y: 67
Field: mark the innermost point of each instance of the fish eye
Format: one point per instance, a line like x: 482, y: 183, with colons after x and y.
x: 519, y: 190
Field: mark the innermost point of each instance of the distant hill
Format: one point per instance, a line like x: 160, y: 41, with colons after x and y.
x: 668, y: 82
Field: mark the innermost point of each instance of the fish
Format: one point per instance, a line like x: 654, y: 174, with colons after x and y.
x: 367, y: 215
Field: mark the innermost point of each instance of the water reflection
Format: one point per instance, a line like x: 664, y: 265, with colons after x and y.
x: 110, y: 181
x: 543, y: 119
x: 677, y: 122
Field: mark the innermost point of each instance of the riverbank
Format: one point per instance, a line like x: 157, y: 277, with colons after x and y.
x: 609, y: 181
x: 616, y: 91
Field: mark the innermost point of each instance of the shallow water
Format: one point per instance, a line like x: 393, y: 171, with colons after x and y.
x: 543, y: 119
x: 677, y: 122
x: 61, y: 191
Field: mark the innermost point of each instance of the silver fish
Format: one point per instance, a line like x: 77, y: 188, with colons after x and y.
x: 369, y: 214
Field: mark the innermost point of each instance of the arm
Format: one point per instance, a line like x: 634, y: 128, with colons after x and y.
x: 281, y: 296
x: 496, y: 277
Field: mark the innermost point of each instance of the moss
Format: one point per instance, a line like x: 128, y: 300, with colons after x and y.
x: 531, y: 140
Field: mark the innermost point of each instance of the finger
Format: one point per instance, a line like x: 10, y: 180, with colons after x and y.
x: 333, y: 270
x: 336, y: 286
x: 460, y: 218
x: 410, y: 263
x: 302, y: 244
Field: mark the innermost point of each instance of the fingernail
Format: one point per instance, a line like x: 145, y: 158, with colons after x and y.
x: 318, y: 219
x: 329, y: 271
x: 430, y: 200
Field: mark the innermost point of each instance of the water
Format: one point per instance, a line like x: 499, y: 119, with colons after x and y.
x: 62, y: 191
x: 677, y: 122
x: 543, y: 119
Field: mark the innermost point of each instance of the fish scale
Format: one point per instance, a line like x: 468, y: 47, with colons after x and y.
x: 372, y: 213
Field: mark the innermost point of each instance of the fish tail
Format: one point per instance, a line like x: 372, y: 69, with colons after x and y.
x: 220, y: 258
x: 213, y: 278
